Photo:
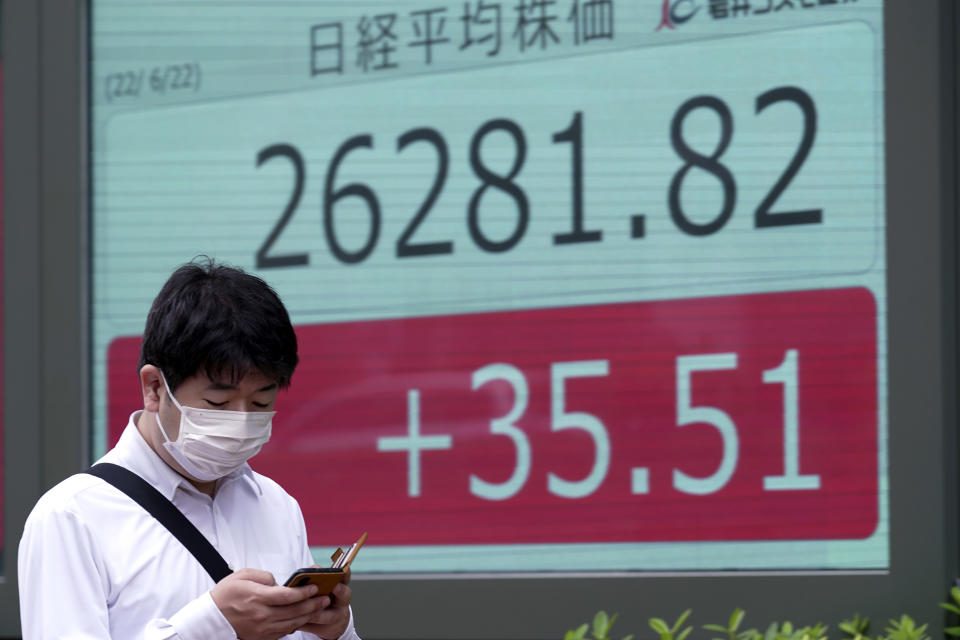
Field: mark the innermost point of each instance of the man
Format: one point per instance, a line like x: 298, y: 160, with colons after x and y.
x: 217, y: 347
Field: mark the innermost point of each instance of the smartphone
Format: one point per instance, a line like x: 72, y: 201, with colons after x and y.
x: 326, y: 578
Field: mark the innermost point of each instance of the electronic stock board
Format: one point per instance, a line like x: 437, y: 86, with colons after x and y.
x: 579, y: 285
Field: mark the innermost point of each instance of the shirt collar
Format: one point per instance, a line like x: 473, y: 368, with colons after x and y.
x: 244, y: 474
x: 133, y: 452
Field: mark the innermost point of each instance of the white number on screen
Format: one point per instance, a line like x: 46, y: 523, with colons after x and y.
x: 505, y: 426
x: 560, y: 418
x: 786, y: 374
x: 689, y: 414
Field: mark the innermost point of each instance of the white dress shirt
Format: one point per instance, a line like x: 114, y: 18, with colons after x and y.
x: 93, y: 563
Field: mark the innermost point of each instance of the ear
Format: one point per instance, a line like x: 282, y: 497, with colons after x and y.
x: 150, y: 385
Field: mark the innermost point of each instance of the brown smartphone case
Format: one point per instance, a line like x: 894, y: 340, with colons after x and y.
x: 325, y: 579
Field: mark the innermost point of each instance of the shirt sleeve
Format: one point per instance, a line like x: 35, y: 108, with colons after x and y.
x: 64, y: 588
x: 198, y: 620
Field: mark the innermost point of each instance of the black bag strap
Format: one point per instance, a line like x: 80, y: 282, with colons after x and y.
x: 166, y: 513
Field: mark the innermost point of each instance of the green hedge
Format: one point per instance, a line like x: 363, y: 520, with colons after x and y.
x: 856, y: 628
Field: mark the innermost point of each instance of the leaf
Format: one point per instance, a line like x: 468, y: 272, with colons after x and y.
x: 771, y: 633
x: 736, y: 618
x: 955, y: 594
x: 715, y: 627
x: 683, y: 634
x: 819, y: 631
x: 601, y: 624
x: 683, y: 618
x: 950, y: 607
x: 856, y: 627
x: 629, y: 637
x: 579, y: 633
x: 658, y: 625
x: 952, y: 631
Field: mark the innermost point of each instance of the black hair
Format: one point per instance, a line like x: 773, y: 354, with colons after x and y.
x: 222, y: 321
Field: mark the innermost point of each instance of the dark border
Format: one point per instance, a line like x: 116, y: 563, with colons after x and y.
x: 46, y: 412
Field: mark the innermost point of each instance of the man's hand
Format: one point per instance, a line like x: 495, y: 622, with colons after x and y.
x: 330, y: 622
x: 258, y: 609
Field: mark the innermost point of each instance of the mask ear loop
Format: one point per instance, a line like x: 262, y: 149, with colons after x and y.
x: 163, y: 432
x: 173, y: 398
x: 156, y: 414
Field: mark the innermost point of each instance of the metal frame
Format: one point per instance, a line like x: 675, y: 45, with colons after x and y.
x: 44, y: 231
x: 46, y: 366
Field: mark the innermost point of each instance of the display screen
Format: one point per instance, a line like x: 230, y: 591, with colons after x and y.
x: 578, y: 285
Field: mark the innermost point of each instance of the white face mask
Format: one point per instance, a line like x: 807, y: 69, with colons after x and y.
x: 213, y: 442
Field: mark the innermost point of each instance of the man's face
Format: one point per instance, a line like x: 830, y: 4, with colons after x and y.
x: 254, y: 392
